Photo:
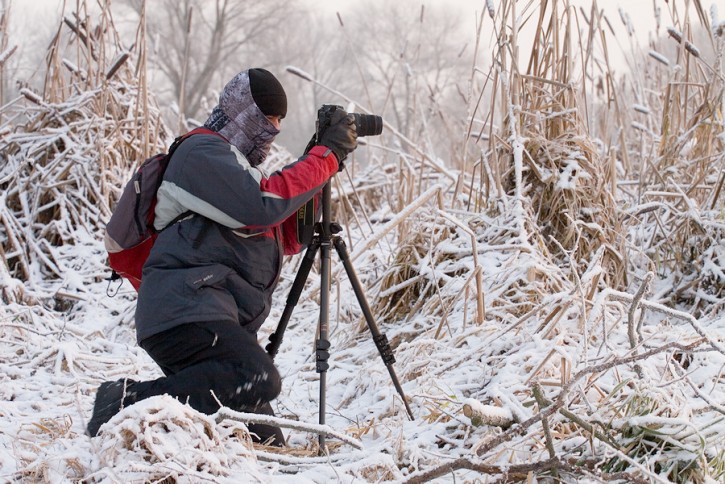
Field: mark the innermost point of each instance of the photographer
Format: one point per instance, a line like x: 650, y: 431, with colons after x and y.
x: 207, y: 285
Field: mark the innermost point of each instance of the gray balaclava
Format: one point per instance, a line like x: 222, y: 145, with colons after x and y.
x: 240, y: 120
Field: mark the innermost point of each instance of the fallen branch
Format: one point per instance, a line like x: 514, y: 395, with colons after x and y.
x: 561, y: 398
x: 481, y: 414
x: 661, y: 308
x: 227, y: 413
x: 543, y: 403
x: 285, y: 459
x: 519, y: 471
x: 466, y: 463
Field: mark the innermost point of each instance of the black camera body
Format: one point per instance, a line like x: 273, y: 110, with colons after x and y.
x: 365, y: 124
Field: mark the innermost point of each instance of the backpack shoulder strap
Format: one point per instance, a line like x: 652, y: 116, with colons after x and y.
x: 172, y: 148
x: 199, y: 130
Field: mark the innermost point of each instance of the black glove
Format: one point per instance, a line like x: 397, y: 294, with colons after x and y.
x: 341, y: 135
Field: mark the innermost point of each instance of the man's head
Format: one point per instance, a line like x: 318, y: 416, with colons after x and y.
x: 268, y: 94
x: 249, y: 112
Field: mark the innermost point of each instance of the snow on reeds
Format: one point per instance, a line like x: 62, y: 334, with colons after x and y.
x: 569, y: 277
x: 67, y: 151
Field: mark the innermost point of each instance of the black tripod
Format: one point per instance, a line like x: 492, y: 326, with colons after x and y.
x: 325, y: 237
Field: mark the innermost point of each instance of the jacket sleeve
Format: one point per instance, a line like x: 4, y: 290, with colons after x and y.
x: 208, y: 176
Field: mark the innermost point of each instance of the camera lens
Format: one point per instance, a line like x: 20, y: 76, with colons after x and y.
x: 368, y: 124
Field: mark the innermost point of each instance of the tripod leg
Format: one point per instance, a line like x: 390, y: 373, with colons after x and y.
x: 381, y: 341
x: 323, y: 343
x: 275, y: 339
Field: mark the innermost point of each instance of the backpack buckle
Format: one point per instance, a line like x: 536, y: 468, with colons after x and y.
x: 113, y: 277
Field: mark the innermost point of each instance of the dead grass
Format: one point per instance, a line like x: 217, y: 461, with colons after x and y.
x: 67, y: 162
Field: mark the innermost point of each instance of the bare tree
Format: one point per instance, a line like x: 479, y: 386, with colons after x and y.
x: 410, y: 66
x: 313, y: 43
x: 198, y: 42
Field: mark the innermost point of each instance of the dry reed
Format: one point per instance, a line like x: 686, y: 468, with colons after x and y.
x: 66, y: 164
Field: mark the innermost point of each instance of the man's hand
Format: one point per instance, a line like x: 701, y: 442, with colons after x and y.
x: 341, y: 135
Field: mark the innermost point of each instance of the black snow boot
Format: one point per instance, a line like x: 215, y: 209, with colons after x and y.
x: 110, y: 399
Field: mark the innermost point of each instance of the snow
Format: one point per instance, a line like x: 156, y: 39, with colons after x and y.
x: 48, y: 392
x: 490, y: 412
x: 640, y: 108
x: 5, y: 55
x: 569, y: 173
x: 659, y: 57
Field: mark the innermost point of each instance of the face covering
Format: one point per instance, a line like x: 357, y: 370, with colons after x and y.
x: 240, y: 121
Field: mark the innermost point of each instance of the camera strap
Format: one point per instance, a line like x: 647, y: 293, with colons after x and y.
x: 306, y: 222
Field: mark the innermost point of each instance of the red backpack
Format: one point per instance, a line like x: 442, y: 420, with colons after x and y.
x: 130, y: 232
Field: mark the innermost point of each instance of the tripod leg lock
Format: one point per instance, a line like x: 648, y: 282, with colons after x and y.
x: 381, y: 341
x: 273, y: 345
x: 323, y: 354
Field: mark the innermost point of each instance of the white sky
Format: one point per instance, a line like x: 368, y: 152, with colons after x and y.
x: 34, y: 13
x: 31, y: 16
x: 641, y: 10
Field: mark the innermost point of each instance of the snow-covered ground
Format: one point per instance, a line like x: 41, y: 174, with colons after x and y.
x: 56, y: 353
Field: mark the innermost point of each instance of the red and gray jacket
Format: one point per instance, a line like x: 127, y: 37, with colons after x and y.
x: 222, y: 262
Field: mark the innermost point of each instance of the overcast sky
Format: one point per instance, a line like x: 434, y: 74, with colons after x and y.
x: 41, y: 16
x: 36, y: 13
x: 640, y: 10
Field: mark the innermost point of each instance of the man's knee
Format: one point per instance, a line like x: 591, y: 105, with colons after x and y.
x: 255, y: 386
x: 268, y: 383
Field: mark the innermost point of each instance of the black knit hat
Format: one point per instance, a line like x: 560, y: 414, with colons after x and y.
x: 267, y: 92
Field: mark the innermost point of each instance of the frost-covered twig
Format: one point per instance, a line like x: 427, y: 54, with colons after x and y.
x: 399, y: 217
x: 470, y: 464
x: 286, y: 459
x: 5, y: 55
x: 31, y: 96
x: 573, y: 466
x: 628, y: 298
x: 561, y: 398
x: 480, y: 296
x: 542, y: 403
x: 227, y: 413
x: 718, y: 407
x: 633, y: 328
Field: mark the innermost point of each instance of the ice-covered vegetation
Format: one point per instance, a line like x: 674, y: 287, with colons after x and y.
x: 554, y: 292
